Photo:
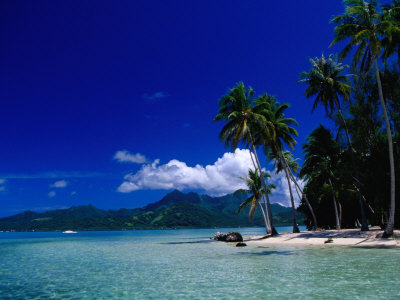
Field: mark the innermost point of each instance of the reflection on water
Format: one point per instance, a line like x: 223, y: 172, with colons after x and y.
x: 185, y: 264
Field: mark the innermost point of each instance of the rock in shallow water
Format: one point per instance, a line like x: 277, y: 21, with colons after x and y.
x: 219, y: 236
x: 241, y: 244
x: 232, y: 236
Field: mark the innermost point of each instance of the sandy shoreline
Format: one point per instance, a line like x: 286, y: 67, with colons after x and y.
x: 344, y: 237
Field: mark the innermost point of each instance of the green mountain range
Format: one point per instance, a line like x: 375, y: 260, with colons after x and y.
x: 175, y: 210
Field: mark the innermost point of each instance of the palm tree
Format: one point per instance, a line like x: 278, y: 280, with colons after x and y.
x: 364, y: 26
x: 327, y: 83
x: 285, y: 162
x: 294, y: 168
x: 256, y: 191
x: 236, y: 108
x: 321, y: 158
x: 276, y: 134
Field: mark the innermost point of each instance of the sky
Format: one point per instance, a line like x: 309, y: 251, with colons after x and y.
x: 111, y: 103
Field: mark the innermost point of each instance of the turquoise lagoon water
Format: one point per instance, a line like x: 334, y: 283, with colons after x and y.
x: 186, y: 264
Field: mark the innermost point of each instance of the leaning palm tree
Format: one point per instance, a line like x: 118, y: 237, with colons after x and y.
x: 321, y: 159
x: 281, y: 163
x: 276, y: 134
x: 364, y: 26
x: 327, y: 83
x: 255, y: 190
x: 293, y: 168
x: 236, y: 108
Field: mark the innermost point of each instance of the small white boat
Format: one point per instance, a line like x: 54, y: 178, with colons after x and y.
x: 69, y: 231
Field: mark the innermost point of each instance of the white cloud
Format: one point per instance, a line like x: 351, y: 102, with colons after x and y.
x: 2, y: 181
x: 126, y: 156
x: 51, y: 194
x: 155, y: 96
x: 217, y: 179
x: 59, y: 184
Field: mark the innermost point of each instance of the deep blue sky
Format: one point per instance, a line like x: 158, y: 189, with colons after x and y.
x: 81, y: 80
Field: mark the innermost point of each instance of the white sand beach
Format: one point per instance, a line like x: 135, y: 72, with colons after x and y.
x: 344, y: 237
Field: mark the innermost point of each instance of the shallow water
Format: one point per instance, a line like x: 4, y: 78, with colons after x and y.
x: 186, y: 264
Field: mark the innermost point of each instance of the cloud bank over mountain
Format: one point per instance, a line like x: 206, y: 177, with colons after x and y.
x: 217, y: 179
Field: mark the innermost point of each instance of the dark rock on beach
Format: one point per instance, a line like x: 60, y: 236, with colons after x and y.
x: 219, y: 236
x: 241, y: 244
x: 232, y: 236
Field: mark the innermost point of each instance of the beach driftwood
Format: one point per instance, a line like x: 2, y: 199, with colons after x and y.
x: 232, y: 236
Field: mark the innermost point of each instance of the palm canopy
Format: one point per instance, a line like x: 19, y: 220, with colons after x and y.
x: 255, y: 189
x: 391, y: 43
x: 321, y: 162
x: 321, y: 155
x: 364, y: 26
x: 290, y: 161
x: 326, y: 82
x: 278, y: 130
x: 236, y: 108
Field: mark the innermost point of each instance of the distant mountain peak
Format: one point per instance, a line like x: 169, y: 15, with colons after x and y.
x: 175, y: 192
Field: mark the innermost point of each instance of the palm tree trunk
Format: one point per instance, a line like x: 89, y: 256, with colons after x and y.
x: 252, y: 160
x: 390, y: 224
x: 266, y: 221
x: 269, y: 212
x: 295, y: 227
x: 335, y: 206
x: 267, y: 226
x: 364, y: 225
x: 305, y: 197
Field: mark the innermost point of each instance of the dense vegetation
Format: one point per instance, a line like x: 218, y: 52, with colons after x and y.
x: 175, y: 210
x: 358, y: 161
x: 350, y: 171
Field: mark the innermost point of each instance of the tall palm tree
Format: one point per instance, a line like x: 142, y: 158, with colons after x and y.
x: 256, y: 191
x: 327, y: 83
x: 276, y: 134
x: 321, y: 159
x: 236, y: 108
x: 364, y: 26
